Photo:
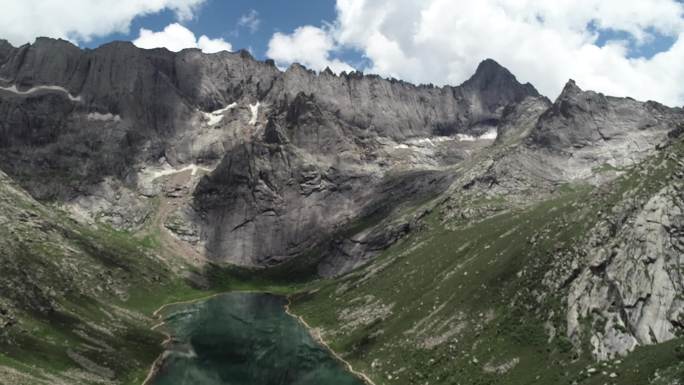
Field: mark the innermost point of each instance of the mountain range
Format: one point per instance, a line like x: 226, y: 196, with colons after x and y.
x: 473, y: 234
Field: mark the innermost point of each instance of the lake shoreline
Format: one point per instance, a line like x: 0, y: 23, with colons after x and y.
x: 319, y: 339
x: 158, y: 363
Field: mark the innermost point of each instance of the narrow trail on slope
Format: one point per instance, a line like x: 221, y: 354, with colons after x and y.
x: 316, y: 335
x: 176, y: 193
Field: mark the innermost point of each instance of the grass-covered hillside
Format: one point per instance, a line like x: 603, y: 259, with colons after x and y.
x: 484, y: 300
x: 77, y: 301
x: 475, y: 293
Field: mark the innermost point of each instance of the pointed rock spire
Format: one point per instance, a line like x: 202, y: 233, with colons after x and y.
x: 489, y: 68
x: 497, y: 86
x: 492, y: 76
x: 571, y: 88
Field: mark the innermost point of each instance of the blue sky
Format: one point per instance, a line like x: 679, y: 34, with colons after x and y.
x: 656, y: 43
x: 220, y: 19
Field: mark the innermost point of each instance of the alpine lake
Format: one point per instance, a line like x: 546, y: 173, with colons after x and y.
x: 244, y: 339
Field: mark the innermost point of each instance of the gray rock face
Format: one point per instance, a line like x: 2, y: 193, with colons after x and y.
x: 263, y: 204
x: 295, y: 158
x: 572, y: 140
x: 519, y: 121
x: 239, y: 162
x: 300, y: 155
x: 632, y: 282
x: 592, y: 128
x: 628, y: 285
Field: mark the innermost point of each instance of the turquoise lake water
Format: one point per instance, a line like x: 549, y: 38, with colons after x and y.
x: 244, y: 339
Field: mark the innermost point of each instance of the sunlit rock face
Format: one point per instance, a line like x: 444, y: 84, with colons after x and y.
x: 631, y: 278
x: 235, y: 161
x: 291, y: 147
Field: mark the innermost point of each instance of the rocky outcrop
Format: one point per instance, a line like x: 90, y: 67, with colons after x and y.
x: 156, y: 90
x: 583, y: 137
x: 631, y: 288
x: 226, y: 158
x: 298, y: 155
x: 624, y: 289
x: 595, y: 129
x: 293, y: 147
x: 264, y: 204
x: 495, y: 88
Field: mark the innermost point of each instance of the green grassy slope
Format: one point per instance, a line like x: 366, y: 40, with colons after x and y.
x: 73, y: 299
x: 76, y: 302
x: 459, y: 301
x: 466, y: 303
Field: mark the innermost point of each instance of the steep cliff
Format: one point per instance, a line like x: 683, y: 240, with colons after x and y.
x: 80, y: 123
x: 479, y: 232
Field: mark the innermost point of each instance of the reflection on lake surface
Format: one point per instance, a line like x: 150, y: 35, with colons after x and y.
x: 244, y: 339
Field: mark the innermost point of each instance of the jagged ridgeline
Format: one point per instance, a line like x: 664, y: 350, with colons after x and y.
x: 475, y: 234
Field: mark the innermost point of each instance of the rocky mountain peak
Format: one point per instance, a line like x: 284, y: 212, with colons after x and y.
x: 489, y: 68
x: 50, y: 42
x: 497, y: 87
x: 593, y: 122
x: 494, y: 76
x: 297, y: 68
x: 245, y: 54
x: 5, y: 47
x: 327, y: 71
x: 118, y: 44
x: 569, y: 90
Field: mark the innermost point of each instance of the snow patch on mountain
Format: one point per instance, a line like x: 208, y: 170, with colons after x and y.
x: 13, y: 89
x: 215, y: 117
x: 254, y: 108
x: 489, y: 135
x: 152, y: 173
x: 434, y: 141
x: 108, y: 117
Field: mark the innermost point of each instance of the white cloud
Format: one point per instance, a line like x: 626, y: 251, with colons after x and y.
x: 309, y: 46
x: 543, y: 42
x: 208, y: 45
x: 250, y: 20
x: 81, y: 20
x: 175, y: 37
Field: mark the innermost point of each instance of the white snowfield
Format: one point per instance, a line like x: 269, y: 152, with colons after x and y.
x: 489, y: 135
x: 153, y: 173
x: 215, y: 117
x: 255, y: 113
x: 429, y: 141
x: 432, y: 142
x: 96, y: 116
x: 14, y: 90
